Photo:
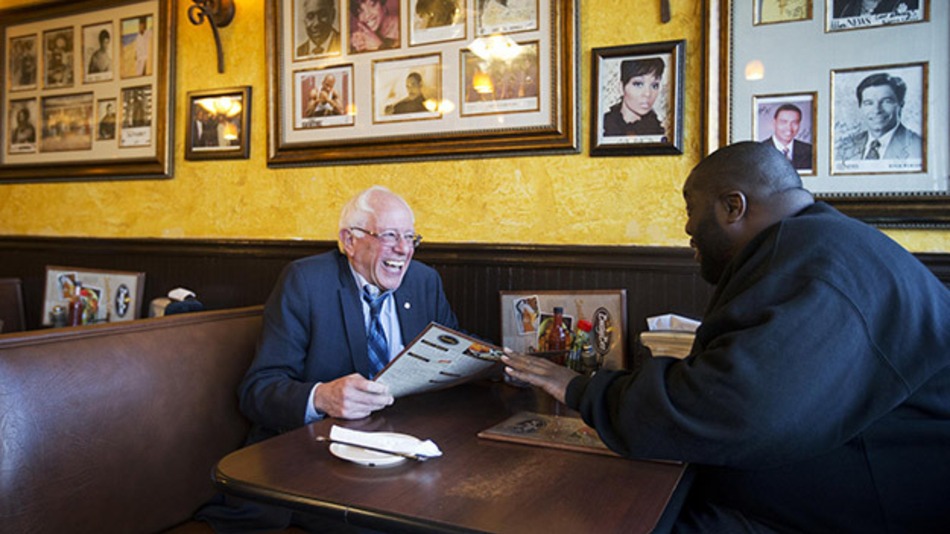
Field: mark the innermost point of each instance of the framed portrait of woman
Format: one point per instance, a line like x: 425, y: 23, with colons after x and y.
x: 637, y: 99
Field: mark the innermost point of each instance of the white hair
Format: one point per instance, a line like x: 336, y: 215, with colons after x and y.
x: 358, y: 211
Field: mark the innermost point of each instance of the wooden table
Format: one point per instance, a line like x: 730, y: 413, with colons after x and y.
x: 477, y: 485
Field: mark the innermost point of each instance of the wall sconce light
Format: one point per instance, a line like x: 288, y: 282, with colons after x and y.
x: 754, y: 70
x: 219, y: 14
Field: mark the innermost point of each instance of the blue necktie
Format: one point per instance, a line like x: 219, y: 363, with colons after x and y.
x: 378, y: 347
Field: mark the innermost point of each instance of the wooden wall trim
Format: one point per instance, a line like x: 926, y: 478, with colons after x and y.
x: 236, y: 273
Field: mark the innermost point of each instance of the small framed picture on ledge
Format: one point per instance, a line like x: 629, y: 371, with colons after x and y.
x: 637, y: 99
x: 219, y: 124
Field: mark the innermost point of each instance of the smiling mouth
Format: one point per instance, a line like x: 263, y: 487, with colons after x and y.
x: 395, y: 265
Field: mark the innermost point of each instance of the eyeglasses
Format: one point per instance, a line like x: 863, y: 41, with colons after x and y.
x: 391, y: 237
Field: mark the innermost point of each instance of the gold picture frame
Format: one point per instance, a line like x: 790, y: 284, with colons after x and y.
x: 744, y: 60
x: 410, y: 90
x: 64, y: 64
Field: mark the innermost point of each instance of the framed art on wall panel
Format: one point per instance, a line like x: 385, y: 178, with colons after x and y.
x: 637, y: 99
x: 417, y: 79
x: 219, y: 124
x: 86, y: 91
x: 903, y: 52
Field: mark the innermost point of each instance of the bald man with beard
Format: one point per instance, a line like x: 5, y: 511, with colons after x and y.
x: 815, y: 397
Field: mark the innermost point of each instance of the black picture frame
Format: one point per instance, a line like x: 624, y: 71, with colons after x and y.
x: 219, y: 124
x: 659, y: 131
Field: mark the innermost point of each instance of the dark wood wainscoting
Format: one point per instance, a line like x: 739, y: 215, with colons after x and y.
x: 231, y: 273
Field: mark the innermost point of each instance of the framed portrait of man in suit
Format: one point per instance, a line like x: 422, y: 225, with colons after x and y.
x: 316, y: 29
x: 786, y: 122
x: 879, y: 119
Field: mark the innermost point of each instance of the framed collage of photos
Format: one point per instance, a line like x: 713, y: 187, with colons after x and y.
x: 85, y: 91
x: 527, y: 315
x: 855, y: 97
x: 637, y: 99
x: 107, y: 296
x: 389, y: 80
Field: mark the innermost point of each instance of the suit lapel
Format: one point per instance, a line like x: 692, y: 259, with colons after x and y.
x: 353, y: 321
x: 412, y: 319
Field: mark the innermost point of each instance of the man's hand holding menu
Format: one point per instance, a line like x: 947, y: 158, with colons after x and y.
x: 438, y: 358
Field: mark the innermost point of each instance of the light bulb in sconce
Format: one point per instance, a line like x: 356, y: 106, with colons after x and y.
x: 482, y: 83
x: 754, y: 70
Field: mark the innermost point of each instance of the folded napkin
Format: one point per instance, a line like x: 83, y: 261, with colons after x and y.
x: 671, y: 321
x: 386, y: 441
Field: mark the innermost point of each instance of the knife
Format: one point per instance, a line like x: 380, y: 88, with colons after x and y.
x: 417, y: 457
x: 664, y: 11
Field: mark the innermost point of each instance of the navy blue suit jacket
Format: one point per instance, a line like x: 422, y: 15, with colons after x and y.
x: 801, y: 153
x: 314, y: 331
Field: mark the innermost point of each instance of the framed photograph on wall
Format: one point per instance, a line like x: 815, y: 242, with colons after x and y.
x: 436, y: 20
x: 777, y: 11
x: 911, y: 190
x: 526, y: 317
x: 107, y: 296
x: 857, y: 14
x: 879, y: 115
x: 787, y: 123
x: 421, y: 79
x: 637, y: 99
x: 219, y: 124
x: 96, y: 80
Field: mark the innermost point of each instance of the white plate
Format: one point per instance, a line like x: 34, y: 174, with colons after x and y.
x: 371, y: 458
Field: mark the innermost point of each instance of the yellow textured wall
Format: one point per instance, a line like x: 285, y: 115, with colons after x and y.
x: 553, y: 199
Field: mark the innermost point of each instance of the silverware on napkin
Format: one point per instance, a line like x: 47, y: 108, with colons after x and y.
x: 417, y: 457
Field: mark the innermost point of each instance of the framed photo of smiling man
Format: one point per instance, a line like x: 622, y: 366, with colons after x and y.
x: 786, y: 122
x: 879, y: 119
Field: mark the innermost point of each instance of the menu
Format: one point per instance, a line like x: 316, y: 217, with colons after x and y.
x: 438, y: 358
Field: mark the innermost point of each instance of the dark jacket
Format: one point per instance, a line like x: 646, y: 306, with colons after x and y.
x: 817, y: 394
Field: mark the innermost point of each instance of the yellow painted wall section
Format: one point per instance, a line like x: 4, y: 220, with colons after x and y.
x: 563, y: 199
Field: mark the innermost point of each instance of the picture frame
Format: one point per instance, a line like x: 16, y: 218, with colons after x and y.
x: 219, y: 124
x: 523, y: 315
x: 637, y: 99
x: 881, y: 89
x: 525, y: 102
x: 786, y: 121
x: 744, y: 61
x: 841, y: 15
x: 778, y: 11
x: 69, y: 60
x: 109, y: 296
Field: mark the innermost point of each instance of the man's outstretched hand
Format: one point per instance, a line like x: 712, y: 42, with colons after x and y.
x: 545, y: 374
